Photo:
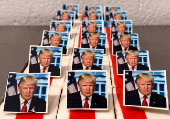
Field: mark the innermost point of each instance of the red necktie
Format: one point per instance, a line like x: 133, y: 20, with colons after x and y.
x: 93, y: 47
x: 132, y: 68
x: 125, y: 49
x: 86, y: 104
x: 86, y: 68
x: 24, y: 108
x: 43, y: 70
x: 144, y: 103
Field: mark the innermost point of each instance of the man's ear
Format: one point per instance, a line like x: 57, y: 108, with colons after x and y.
x: 19, y: 88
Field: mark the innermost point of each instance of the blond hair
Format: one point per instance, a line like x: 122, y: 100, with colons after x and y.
x: 87, y: 78
x: 66, y: 13
x: 28, y: 80
x: 121, y: 24
x: 88, y: 53
x: 118, y: 14
x: 92, y: 23
x: 113, y: 8
x: 125, y: 35
x: 144, y: 77
x: 93, y: 13
x: 95, y: 34
x: 70, y: 7
x: 132, y: 53
x: 46, y: 52
x: 61, y: 24
x: 56, y: 35
x: 92, y: 9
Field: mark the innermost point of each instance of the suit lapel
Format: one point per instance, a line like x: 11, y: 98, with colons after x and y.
x: 126, y: 66
x: 32, y: 105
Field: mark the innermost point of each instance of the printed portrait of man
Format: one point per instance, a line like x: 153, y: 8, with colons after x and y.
x: 25, y: 101
x: 93, y: 42
x: 87, y: 58
x: 143, y: 96
x: 45, y: 66
x: 125, y: 40
x: 86, y: 98
x: 55, y: 40
x: 132, y: 58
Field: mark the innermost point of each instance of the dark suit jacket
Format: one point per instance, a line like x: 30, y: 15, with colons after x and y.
x: 156, y: 100
x: 64, y: 49
x: 119, y: 48
x: 74, y: 101
x: 35, y: 68
x: 124, y: 66
x: 98, y: 47
x: 80, y: 67
x: 12, y: 103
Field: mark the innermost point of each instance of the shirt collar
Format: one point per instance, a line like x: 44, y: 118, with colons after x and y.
x: 84, y: 67
x: 92, y: 46
x: 124, y: 48
x: 83, y: 97
x: 135, y: 67
x: 22, y: 100
x: 141, y: 95
x: 41, y: 67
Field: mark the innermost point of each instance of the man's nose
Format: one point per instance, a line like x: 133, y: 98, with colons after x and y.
x: 28, y: 90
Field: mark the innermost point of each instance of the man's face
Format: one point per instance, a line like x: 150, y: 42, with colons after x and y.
x: 125, y: 42
x: 121, y: 28
x: 93, y: 17
x: 113, y: 10
x: 55, y: 41
x: 145, y: 87
x: 86, y: 88
x: 87, y: 60
x: 93, y: 41
x: 45, y: 60
x: 26, y: 90
x: 65, y: 17
x: 92, y: 28
x: 60, y: 28
x: 132, y: 60
x: 117, y: 17
x: 70, y: 9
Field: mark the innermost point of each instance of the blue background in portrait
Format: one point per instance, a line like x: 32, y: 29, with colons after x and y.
x: 42, y: 83
x: 68, y: 25
x: 100, y: 81
x: 57, y: 52
x: 159, y: 81
x: 98, y: 56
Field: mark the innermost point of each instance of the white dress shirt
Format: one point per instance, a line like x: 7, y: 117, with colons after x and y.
x: 130, y: 67
x: 84, y: 67
x: 92, y: 46
x: 141, y: 98
x: 127, y: 49
x: 22, y: 103
x: 41, y: 69
x: 83, y: 99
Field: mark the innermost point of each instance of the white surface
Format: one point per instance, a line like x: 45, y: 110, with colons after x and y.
x: 41, y: 12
